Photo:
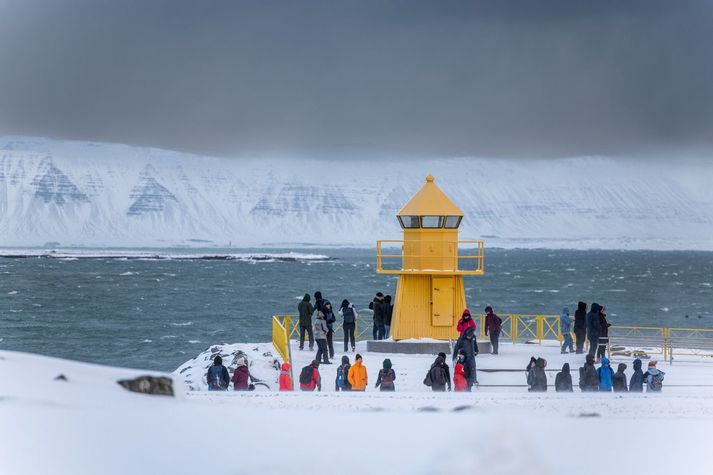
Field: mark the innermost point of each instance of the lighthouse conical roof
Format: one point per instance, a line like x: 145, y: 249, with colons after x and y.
x: 430, y: 201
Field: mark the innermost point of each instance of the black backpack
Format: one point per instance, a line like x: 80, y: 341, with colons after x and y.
x: 306, y: 375
x: 348, y: 314
x: 437, y: 375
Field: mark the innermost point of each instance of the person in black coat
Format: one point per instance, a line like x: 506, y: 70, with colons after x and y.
x: 563, y: 380
x: 636, y: 384
x: 603, y: 335
x: 538, y: 383
x: 588, y: 379
x: 619, y: 379
x: 439, y: 374
x: 580, y: 326
x: 468, y: 343
x: 389, y: 312
x: 594, y: 328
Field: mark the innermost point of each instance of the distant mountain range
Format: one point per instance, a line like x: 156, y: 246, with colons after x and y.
x: 64, y: 193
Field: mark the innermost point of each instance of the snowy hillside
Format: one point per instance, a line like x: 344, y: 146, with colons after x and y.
x: 91, y: 194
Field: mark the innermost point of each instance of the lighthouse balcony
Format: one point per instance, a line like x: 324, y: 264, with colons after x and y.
x: 430, y: 257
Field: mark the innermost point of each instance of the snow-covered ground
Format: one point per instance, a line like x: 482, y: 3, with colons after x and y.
x: 90, y: 425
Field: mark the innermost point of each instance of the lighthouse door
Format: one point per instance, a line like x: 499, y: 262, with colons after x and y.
x: 442, y: 298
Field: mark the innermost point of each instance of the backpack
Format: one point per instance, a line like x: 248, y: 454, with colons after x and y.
x: 657, y: 382
x: 427, y: 380
x: 341, y: 377
x: 348, y: 313
x: 214, y: 375
x: 387, y: 379
x: 306, y: 375
x: 438, y: 378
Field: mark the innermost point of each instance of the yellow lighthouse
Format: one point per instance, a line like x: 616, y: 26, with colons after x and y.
x: 430, y: 296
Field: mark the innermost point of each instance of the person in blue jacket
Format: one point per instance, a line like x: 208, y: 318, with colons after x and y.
x: 217, y: 377
x: 605, y: 375
x: 566, y: 330
x: 636, y: 384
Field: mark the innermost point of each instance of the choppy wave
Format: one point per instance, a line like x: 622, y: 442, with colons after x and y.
x: 73, y: 254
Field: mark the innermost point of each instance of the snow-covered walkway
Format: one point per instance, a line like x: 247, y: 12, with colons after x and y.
x: 90, y: 425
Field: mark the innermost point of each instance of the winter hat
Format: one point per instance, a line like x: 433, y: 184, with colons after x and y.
x: 621, y: 367
x: 387, y: 364
x: 605, y: 361
x: 306, y: 298
x: 326, y: 302
x: 218, y: 361
x: 565, y: 368
x: 345, y: 359
x: 637, y: 363
x: 488, y: 309
x: 317, y: 295
x: 345, y: 303
x: 442, y: 355
x: 357, y: 357
x: 466, y: 312
x: 380, y: 295
x: 387, y: 299
x: 652, y: 363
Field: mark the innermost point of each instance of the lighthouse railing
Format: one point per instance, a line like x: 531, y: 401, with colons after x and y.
x: 392, y: 257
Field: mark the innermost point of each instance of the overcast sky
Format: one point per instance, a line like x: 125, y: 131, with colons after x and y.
x: 499, y: 78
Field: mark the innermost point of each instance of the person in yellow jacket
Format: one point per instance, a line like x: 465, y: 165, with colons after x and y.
x: 357, y: 375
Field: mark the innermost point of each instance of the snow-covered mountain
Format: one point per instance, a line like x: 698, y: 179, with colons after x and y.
x: 95, y: 194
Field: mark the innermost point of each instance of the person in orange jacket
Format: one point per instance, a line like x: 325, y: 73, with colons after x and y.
x: 285, y: 381
x: 460, y: 382
x: 357, y: 374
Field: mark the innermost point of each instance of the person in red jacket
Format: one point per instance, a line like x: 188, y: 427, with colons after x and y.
x: 315, y: 381
x: 465, y: 322
x: 460, y: 382
x: 241, y: 376
x: 285, y: 381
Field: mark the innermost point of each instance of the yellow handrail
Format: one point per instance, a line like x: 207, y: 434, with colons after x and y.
x: 537, y: 327
x: 479, y: 257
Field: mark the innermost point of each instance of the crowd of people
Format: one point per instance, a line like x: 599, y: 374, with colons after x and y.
x: 591, y: 326
x: 593, y: 379
x: 318, y: 322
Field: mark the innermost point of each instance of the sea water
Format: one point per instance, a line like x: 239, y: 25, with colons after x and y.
x: 156, y: 314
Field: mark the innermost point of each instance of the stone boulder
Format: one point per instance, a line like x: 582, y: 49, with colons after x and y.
x: 155, y: 385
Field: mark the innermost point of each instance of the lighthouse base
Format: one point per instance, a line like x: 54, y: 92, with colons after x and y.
x: 416, y: 347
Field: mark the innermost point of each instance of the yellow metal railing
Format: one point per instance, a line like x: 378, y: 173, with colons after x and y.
x: 281, y: 339
x: 448, y: 262
x: 531, y: 327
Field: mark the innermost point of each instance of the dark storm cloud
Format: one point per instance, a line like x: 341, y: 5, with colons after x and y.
x: 506, y: 78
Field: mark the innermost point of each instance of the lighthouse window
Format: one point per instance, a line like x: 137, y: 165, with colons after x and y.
x: 409, y: 221
x: 453, y: 222
x: 431, y: 221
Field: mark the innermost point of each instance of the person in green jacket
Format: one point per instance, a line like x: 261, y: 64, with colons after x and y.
x: 306, y: 310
